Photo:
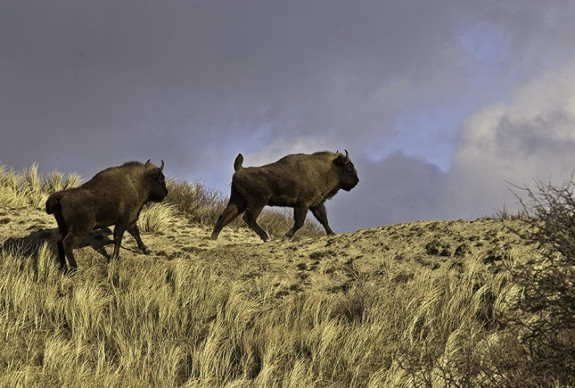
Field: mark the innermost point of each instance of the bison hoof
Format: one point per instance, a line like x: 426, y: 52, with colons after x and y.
x: 146, y: 251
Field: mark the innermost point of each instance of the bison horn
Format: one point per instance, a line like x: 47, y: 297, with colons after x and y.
x: 147, y: 161
x: 162, y: 166
x: 346, y: 155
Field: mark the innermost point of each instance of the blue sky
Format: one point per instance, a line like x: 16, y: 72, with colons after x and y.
x: 440, y: 104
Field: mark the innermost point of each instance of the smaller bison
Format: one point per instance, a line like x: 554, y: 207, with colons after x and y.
x: 300, y: 181
x: 114, y: 196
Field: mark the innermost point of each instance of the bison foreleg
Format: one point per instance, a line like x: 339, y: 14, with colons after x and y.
x: 321, y: 215
x: 135, y: 231
x: 299, y: 214
x: 118, y: 234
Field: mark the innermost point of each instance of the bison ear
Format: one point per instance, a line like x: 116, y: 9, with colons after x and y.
x: 340, y: 160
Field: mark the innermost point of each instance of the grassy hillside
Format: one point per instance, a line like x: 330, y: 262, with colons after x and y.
x: 420, y: 304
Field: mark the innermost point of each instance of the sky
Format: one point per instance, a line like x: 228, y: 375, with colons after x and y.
x: 443, y: 105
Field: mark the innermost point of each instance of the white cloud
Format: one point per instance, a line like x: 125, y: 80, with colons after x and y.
x: 530, y: 137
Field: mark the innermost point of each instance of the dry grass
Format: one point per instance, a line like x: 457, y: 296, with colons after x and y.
x: 156, y: 217
x: 171, y: 323
x: 30, y: 188
x: 381, y: 307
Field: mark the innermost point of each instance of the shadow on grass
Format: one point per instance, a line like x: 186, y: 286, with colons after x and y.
x: 29, y: 246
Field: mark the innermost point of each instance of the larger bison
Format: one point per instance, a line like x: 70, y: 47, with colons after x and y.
x: 300, y: 181
x: 114, y: 196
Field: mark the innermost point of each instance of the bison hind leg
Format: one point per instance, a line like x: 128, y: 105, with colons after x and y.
x: 70, y: 241
x: 61, y: 252
x: 236, y: 206
x: 250, y: 217
x: 62, y: 234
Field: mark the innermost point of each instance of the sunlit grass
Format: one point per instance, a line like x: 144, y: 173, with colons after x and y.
x: 165, y: 323
x: 155, y: 321
x: 156, y: 217
x: 19, y: 189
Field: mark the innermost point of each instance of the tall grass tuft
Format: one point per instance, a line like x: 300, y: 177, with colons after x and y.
x: 12, y: 191
x: 34, y: 187
x: 156, y: 217
x: 30, y: 187
x: 57, y: 181
x: 193, y: 200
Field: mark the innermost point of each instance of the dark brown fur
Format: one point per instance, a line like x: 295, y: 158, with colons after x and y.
x: 300, y: 181
x: 114, y: 196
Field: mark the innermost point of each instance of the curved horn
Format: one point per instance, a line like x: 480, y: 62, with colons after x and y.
x: 162, y: 166
x: 147, y: 161
x: 346, y: 155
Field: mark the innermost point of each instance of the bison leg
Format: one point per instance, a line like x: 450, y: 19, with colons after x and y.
x: 69, y: 242
x: 135, y: 232
x: 321, y: 215
x: 299, y: 213
x: 61, y: 252
x: 118, y: 234
x: 236, y: 206
x: 62, y: 234
x: 250, y: 217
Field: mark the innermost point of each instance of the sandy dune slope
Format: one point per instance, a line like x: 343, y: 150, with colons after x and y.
x: 327, y: 263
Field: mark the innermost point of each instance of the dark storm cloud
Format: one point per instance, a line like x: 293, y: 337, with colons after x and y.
x: 109, y: 73
x: 89, y: 84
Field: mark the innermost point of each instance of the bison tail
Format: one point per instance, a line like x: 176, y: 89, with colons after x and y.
x: 238, y: 162
x: 52, y: 202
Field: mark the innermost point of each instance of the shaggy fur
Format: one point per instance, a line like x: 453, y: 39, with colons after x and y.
x: 300, y: 181
x: 114, y: 196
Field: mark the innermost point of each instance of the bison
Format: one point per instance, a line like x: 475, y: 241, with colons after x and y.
x: 300, y: 181
x: 114, y: 196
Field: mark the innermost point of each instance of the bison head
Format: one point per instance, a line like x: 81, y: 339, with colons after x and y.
x: 156, y: 182
x: 347, y: 174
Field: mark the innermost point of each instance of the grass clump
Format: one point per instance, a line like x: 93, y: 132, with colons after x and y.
x: 156, y: 217
x: 198, y: 203
x: 19, y: 189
